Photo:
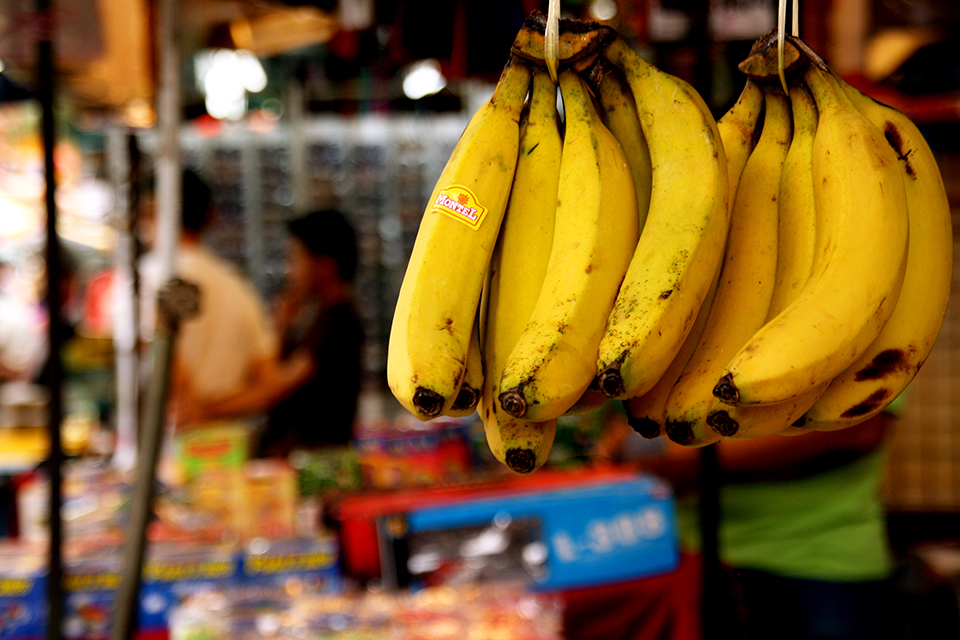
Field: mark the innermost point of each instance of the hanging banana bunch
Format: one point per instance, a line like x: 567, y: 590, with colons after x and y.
x: 597, y: 235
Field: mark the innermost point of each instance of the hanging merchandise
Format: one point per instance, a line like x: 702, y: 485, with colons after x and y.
x: 783, y: 269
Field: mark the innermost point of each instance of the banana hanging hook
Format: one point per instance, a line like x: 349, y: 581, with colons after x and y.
x: 781, y: 35
x: 551, y: 45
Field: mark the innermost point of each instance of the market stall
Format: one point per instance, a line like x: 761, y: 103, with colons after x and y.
x: 435, y: 520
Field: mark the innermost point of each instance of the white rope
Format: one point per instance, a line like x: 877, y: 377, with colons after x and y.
x: 551, y: 43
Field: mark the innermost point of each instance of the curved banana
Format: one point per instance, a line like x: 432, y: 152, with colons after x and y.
x: 796, y: 240
x: 861, y: 249
x: 468, y: 395
x: 745, y: 283
x: 682, y: 241
x: 738, y: 130
x: 516, y: 275
x: 647, y: 413
x: 596, y: 232
x: 436, y: 306
x: 892, y: 360
x: 619, y: 112
x: 798, y: 215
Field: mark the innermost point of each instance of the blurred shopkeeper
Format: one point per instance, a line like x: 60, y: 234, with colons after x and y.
x: 802, y: 531
x: 230, y: 343
x: 312, y: 391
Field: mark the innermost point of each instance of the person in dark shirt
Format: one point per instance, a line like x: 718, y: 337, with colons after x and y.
x: 311, y: 396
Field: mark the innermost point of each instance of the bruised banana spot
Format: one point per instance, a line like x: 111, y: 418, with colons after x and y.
x: 646, y: 427
x: 610, y: 381
x: 467, y: 398
x: 448, y: 325
x: 882, y: 365
x: 721, y: 422
x: 665, y: 294
x: 680, y: 432
x: 513, y: 402
x: 872, y: 403
x: 521, y: 460
x: 726, y: 390
x: 428, y: 402
x: 895, y: 140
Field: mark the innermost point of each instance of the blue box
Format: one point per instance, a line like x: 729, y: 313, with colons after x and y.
x: 563, y: 538
x: 23, y: 605
x: 315, y: 562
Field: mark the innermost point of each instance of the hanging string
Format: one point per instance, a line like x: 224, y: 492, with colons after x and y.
x: 781, y: 34
x: 551, y: 43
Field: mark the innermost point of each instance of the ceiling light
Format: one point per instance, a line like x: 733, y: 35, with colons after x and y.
x: 422, y: 79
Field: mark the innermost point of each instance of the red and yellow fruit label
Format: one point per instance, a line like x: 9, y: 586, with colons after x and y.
x: 460, y: 204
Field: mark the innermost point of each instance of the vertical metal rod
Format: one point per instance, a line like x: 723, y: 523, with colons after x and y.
x: 46, y: 88
x: 713, y: 597
x: 168, y: 168
x: 141, y: 502
x: 124, y: 172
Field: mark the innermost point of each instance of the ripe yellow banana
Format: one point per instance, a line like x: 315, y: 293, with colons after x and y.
x: 796, y: 239
x: 516, y: 276
x: 798, y: 215
x: 682, y: 241
x: 892, y: 360
x: 861, y: 251
x: 436, y: 306
x: 647, y: 413
x: 619, y: 113
x: 595, y: 235
x: 468, y: 396
x: 738, y: 130
x: 745, y: 282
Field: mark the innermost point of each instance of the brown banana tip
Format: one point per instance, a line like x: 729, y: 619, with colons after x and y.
x: 521, y: 460
x: 680, y: 432
x: 513, y: 402
x: 467, y: 398
x: 726, y: 390
x: 611, y: 383
x: 722, y: 423
x: 428, y: 402
x: 646, y: 427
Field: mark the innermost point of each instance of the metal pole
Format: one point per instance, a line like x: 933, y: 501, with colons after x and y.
x: 124, y: 172
x: 46, y: 83
x: 713, y: 596
x: 168, y: 167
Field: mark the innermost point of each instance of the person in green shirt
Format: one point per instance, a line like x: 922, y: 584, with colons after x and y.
x: 802, y: 529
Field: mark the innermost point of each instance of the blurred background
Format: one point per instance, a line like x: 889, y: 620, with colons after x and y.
x: 288, y: 106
